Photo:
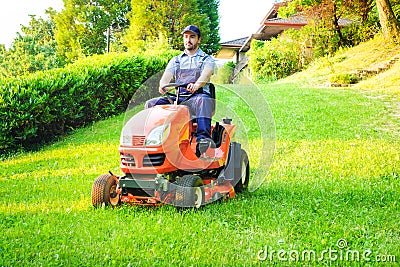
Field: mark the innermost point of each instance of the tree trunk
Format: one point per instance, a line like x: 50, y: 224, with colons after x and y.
x: 365, y: 8
x: 390, y: 26
x: 336, y: 26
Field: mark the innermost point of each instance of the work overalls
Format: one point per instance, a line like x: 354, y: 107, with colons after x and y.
x: 201, y: 105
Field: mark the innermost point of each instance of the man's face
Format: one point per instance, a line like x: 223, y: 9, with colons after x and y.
x: 191, y: 41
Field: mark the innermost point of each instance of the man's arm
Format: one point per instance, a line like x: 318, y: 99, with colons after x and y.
x: 165, y: 79
x: 202, y: 80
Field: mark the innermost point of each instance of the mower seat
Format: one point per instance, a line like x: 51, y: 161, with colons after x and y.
x: 217, y: 134
x: 212, y: 90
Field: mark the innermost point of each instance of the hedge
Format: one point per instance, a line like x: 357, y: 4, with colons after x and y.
x: 35, y: 109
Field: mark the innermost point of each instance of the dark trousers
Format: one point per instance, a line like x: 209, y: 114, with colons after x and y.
x: 200, y: 105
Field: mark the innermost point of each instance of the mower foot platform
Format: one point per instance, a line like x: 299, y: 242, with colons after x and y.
x: 212, y: 154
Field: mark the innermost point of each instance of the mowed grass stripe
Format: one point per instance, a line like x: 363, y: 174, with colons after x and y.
x: 325, y: 184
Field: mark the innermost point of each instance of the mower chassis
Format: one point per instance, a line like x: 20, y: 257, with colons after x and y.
x: 159, y: 189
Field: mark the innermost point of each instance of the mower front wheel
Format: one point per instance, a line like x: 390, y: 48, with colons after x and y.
x: 104, y: 191
x: 189, y: 192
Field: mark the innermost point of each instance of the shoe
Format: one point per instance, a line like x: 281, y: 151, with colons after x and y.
x: 203, y: 145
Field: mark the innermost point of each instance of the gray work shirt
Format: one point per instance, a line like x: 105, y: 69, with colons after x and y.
x: 184, y: 61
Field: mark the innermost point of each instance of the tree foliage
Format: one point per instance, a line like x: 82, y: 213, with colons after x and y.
x: 328, y: 12
x: 152, y: 20
x: 88, y: 27
x: 210, y: 9
x: 325, y: 17
x: 82, y: 26
x: 34, y: 49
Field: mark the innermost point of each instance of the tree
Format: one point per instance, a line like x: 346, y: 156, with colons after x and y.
x: 210, y: 9
x: 396, y: 8
x: 82, y: 26
x: 34, y: 48
x: 390, y: 25
x: 363, y: 9
x: 324, y: 16
x: 69, y: 33
x: 152, y: 20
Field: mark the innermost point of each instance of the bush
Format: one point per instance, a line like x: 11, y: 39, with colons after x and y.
x: 35, y: 109
x: 275, y: 59
x: 224, y: 75
x: 343, y: 78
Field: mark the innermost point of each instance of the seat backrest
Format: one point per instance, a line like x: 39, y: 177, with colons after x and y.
x: 217, y: 134
x: 212, y: 90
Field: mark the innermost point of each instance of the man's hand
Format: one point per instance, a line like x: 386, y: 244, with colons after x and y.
x: 201, y: 81
x: 192, y: 87
x: 162, y: 90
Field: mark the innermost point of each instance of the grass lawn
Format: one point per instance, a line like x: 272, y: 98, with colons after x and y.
x: 331, y: 196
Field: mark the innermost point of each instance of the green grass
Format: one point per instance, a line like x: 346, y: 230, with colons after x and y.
x: 385, y: 82
x: 335, y: 176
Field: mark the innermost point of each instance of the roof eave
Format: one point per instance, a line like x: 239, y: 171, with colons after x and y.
x: 231, y: 46
x: 287, y: 24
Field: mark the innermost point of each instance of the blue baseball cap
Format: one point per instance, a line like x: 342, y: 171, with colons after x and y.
x: 192, y: 28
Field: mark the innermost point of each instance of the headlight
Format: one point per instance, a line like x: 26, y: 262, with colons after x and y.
x: 158, y: 135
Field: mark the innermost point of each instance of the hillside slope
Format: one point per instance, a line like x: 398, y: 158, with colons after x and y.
x: 370, y: 55
x: 378, y: 58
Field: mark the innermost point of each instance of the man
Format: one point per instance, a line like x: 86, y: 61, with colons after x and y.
x: 192, y: 67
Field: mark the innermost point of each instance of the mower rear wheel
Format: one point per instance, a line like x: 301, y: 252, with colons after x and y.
x: 189, y: 192
x: 104, y: 191
x: 243, y: 183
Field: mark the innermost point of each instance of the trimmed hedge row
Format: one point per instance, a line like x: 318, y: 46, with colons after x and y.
x: 35, y: 109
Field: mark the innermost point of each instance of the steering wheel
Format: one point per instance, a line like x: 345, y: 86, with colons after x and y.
x: 177, y: 86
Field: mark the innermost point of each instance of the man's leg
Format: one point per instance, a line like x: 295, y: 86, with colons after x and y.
x: 203, y: 106
x: 157, y: 101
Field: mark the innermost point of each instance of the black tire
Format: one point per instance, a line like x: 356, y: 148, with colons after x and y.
x: 104, y: 191
x: 189, y: 192
x: 243, y: 183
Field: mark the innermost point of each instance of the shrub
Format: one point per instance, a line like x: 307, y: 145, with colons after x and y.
x: 225, y: 74
x: 343, y: 78
x: 275, y: 59
x: 36, y: 108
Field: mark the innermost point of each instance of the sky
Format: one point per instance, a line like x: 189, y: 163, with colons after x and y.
x: 16, y: 12
x: 238, y: 18
x: 241, y: 18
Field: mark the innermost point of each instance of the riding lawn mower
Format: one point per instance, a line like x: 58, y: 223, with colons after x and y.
x: 160, y: 165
